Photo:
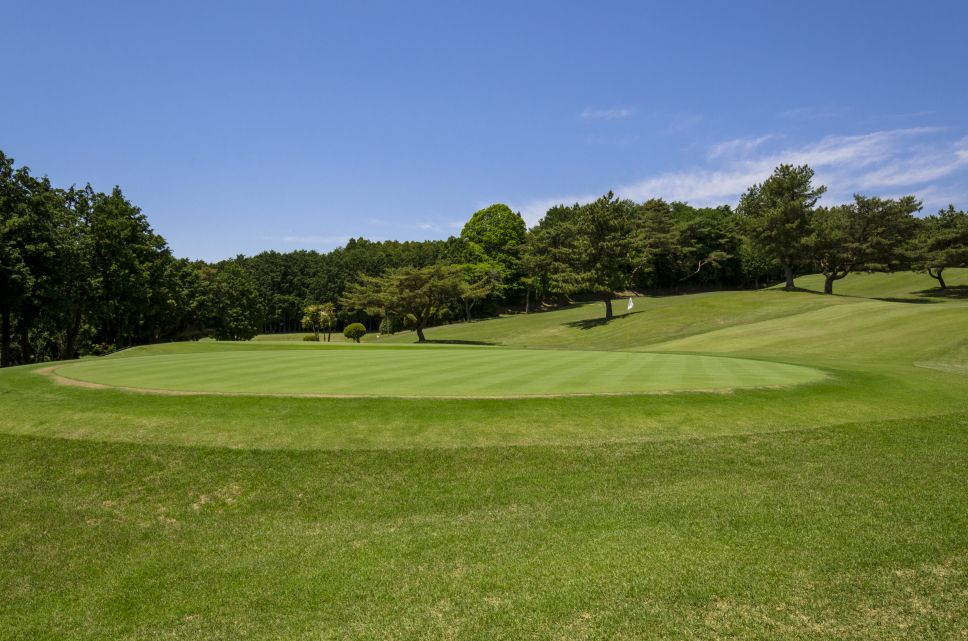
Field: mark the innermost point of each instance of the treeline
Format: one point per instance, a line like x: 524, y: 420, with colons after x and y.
x: 776, y: 231
x: 82, y: 272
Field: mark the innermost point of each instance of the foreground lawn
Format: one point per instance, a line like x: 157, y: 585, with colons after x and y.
x: 834, y: 509
x: 852, y: 532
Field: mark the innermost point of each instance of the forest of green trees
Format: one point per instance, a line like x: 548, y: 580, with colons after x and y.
x: 83, y: 272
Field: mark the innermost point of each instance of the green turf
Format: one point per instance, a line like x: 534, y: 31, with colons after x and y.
x: 453, y: 371
x: 835, y: 509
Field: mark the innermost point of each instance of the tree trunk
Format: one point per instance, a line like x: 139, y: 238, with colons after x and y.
x: 527, y: 299
x: 788, y: 272
x: 608, y: 307
x: 938, y: 277
x: 5, y: 338
x: 828, y: 284
x: 467, y: 310
x: 420, y: 334
x: 25, y: 355
x: 70, y: 338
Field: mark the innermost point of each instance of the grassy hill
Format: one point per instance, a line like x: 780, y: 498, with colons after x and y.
x: 663, y: 318
x: 834, y: 509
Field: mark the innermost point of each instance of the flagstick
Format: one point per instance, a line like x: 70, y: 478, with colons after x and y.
x: 628, y: 329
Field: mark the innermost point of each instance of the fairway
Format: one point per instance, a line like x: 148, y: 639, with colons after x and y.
x: 536, y: 489
x: 470, y: 372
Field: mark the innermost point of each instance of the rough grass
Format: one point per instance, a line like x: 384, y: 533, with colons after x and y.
x: 832, y: 510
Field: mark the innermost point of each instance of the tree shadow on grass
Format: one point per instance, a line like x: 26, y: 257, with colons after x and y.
x: 956, y: 292
x: 458, y: 342
x: 592, y: 323
x: 916, y: 301
x: 801, y: 290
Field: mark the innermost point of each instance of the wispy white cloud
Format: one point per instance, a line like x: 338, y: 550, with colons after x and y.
x: 909, y: 160
x: 737, y: 146
x: 611, y: 113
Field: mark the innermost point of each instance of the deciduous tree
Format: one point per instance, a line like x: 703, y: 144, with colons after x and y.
x: 320, y: 317
x: 498, y: 232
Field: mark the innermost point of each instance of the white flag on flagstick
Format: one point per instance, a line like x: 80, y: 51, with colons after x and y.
x: 631, y: 304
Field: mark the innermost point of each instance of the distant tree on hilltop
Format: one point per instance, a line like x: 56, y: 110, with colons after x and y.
x: 418, y: 293
x: 870, y: 232
x: 777, y: 215
x: 942, y: 242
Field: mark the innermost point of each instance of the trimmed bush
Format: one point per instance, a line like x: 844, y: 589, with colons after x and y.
x: 312, y: 338
x: 356, y: 331
x: 390, y: 325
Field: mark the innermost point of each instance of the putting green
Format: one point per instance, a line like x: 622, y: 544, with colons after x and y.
x: 434, y: 372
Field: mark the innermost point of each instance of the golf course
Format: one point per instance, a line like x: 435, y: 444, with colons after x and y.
x: 383, y: 321
x: 760, y: 464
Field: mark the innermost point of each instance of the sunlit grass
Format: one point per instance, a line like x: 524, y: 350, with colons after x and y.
x: 831, y: 510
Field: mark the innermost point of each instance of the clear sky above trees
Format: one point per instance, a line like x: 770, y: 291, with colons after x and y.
x: 244, y: 126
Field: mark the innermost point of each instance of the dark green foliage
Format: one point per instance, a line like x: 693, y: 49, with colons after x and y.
x: 498, y: 231
x: 232, y: 302
x: 777, y: 215
x: 420, y: 293
x: 755, y: 265
x: 354, y: 331
x: 127, y: 264
x: 390, y: 325
x: 870, y: 233
x: 80, y: 269
x: 942, y: 242
x: 595, y: 248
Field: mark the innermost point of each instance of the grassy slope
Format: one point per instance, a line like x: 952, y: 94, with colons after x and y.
x: 684, y: 516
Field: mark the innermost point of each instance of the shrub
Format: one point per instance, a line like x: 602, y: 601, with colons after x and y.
x: 311, y: 338
x: 390, y: 325
x: 103, y: 349
x: 356, y: 331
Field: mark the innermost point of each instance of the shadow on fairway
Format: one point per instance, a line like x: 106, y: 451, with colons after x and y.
x: 957, y: 292
x: 458, y: 342
x: 591, y: 323
x: 800, y: 290
x: 916, y: 301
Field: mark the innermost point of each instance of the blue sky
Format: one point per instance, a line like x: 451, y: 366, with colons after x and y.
x: 240, y: 127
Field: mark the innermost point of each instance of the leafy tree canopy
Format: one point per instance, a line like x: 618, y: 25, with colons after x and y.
x: 499, y: 232
x: 942, y: 242
x: 870, y: 232
x: 422, y: 293
x: 777, y: 214
x: 320, y: 317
